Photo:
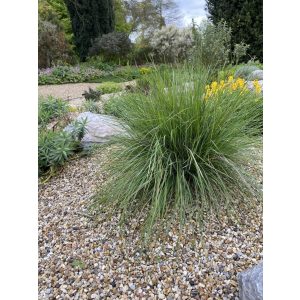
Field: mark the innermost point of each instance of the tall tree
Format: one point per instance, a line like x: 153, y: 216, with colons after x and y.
x: 146, y: 16
x: 167, y: 11
x: 245, y: 17
x: 90, y: 19
x: 121, y: 20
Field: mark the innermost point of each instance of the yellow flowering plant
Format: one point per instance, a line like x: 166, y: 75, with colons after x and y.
x: 231, y: 85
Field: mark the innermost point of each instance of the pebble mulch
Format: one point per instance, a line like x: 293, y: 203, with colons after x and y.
x: 80, y: 258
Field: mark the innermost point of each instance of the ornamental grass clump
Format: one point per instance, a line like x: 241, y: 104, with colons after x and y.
x: 184, y: 155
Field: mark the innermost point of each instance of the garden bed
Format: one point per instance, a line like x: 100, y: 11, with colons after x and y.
x: 82, y: 257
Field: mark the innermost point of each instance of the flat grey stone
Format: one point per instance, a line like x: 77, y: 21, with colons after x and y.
x: 251, y: 283
x: 100, y: 128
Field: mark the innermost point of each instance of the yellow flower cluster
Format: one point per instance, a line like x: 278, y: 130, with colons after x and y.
x: 145, y: 71
x: 230, y: 84
x: 257, y: 86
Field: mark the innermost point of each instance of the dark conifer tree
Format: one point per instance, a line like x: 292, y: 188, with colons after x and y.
x: 245, y: 17
x: 90, y: 19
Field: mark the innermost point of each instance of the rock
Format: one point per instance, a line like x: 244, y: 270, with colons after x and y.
x: 256, y: 75
x: 100, y: 128
x: 245, y: 71
x: 251, y: 283
x: 131, y: 286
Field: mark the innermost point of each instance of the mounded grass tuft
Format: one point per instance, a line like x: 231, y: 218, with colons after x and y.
x: 183, y: 155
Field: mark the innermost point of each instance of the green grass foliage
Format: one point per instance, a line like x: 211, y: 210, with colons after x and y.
x: 183, y: 154
x: 51, y: 108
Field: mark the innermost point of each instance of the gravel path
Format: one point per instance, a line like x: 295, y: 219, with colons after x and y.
x: 80, y: 258
x: 73, y: 91
x: 66, y: 91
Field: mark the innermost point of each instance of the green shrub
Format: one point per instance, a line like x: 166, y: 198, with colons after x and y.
x: 98, y: 63
x: 183, y: 154
x: 67, y: 74
x: 112, y: 46
x: 127, y: 73
x: 82, y: 73
x: 50, y: 109
x: 56, y: 147
x: 109, y: 87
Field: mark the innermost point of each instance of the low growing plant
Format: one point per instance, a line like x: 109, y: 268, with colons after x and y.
x: 109, y: 87
x: 56, y: 147
x: 92, y: 95
x: 51, y: 108
x: 184, y: 154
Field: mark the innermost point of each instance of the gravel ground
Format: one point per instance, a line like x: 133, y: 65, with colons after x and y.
x: 81, y: 258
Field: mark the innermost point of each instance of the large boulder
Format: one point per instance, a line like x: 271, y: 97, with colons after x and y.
x: 100, y: 128
x: 256, y: 75
x: 245, y: 71
x: 251, y: 283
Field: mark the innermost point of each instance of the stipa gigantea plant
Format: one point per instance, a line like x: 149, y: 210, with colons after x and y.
x: 183, y: 154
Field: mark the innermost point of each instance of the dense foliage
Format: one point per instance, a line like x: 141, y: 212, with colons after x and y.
x: 56, y: 146
x: 245, y: 18
x: 113, y: 46
x: 90, y: 19
x: 69, y: 74
x: 50, y: 109
x: 183, y: 152
x: 109, y: 87
x: 171, y: 44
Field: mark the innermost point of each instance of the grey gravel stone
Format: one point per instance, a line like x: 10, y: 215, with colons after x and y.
x: 100, y: 128
x: 251, y: 283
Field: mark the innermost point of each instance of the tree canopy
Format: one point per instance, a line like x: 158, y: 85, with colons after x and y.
x: 244, y: 17
x: 90, y: 19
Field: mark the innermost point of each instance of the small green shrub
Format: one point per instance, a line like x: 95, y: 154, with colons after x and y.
x: 127, y: 73
x: 183, y: 155
x: 98, y: 63
x: 92, y: 95
x: 56, y: 147
x: 109, y: 87
x: 50, y: 109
